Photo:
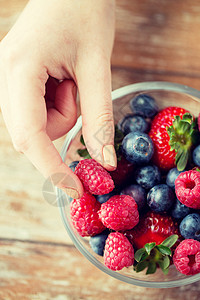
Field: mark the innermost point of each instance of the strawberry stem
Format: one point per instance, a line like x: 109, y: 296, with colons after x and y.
x: 182, y: 135
x: 153, y: 256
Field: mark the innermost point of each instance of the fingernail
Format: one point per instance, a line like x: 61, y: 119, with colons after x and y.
x: 71, y: 193
x: 66, y: 183
x: 109, y: 155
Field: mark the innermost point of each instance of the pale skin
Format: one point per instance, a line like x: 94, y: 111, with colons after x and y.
x: 54, y: 49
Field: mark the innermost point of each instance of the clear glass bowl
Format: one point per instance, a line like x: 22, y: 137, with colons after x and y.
x: 166, y: 94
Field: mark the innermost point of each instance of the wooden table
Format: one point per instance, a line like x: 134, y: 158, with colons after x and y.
x: 155, y: 40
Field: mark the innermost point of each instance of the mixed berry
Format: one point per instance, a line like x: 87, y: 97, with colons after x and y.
x: 146, y: 213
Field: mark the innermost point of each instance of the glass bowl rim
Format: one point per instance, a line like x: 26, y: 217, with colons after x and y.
x: 116, y: 94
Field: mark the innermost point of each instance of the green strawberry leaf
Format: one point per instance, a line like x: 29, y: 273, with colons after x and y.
x: 181, y: 162
x: 182, y: 136
x: 170, y: 241
x: 184, y: 126
x: 165, y: 271
x: 141, y: 266
x: 83, y: 153
x: 139, y: 254
x: 164, y: 250
x: 118, y: 138
x: 149, y: 247
x: 118, y: 135
x: 151, y: 268
x: 164, y: 263
x: 187, y: 117
x: 82, y: 140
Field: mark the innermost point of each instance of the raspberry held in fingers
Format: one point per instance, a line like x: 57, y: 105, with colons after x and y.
x: 94, y: 177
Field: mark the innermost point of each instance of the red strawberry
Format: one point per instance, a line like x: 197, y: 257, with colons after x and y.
x: 94, y: 177
x: 161, y: 129
x: 153, y: 237
x: 152, y: 228
x: 123, y: 171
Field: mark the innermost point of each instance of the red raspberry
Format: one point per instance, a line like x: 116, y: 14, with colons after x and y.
x: 187, y: 257
x: 118, y: 252
x: 84, y: 215
x: 120, y: 212
x: 187, y: 187
x: 94, y: 177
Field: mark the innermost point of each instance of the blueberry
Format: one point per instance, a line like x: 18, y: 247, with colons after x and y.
x: 105, y: 198
x: 196, y: 156
x: 73, y: 165
x: 133, y: 123
x: 148, y: 176
x: 160, y: 198
x: 190, y: 227
x: 137, y: 147
x: 98, y: 241
x: 144, y: 105
x: 137, y: 193
x: 179, y: 210
x: 171, y: 177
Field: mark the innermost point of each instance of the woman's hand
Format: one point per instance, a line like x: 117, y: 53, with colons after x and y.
x: 54, y: 48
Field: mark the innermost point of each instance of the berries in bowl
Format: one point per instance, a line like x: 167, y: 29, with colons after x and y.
x: 131, y: 227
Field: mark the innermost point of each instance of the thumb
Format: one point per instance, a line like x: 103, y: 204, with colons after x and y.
x: 96, y: 108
